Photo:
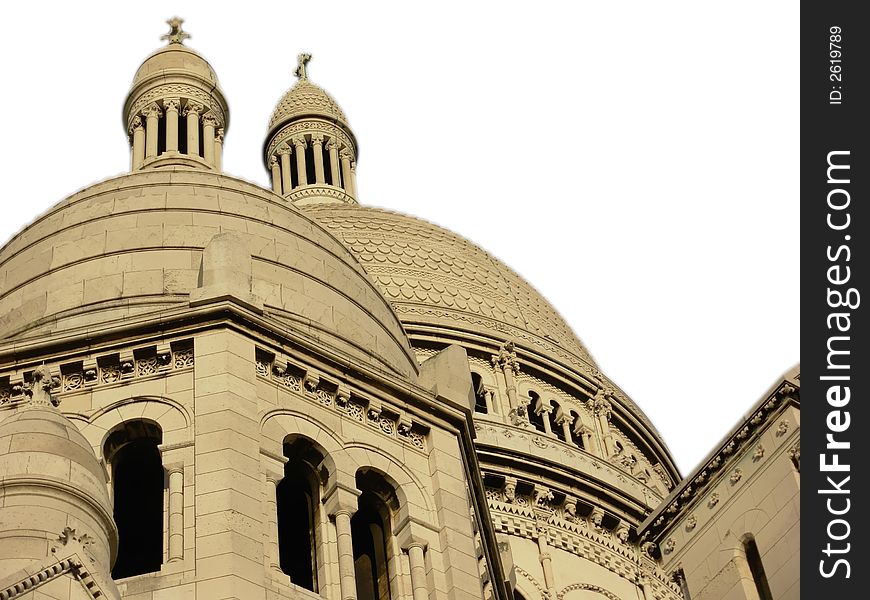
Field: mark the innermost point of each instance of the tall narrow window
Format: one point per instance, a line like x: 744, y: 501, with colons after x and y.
x: 370, y: 527
x: 534, y: 409
x: 756, y: 568
x: 138, y: 482
x: 297, y: 497
x: 479, y: 394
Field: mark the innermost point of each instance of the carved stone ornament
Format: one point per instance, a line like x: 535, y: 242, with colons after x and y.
x: 782, y: 428
x: 714, y: 500
x: 670, y: 545
x: 193, y: 108
x: 759, y: 453
x: 736, y: 476
x: 691, y: 522
x: 622, y: 533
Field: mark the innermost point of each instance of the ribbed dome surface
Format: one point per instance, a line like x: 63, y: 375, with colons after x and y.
x: 305, y: 99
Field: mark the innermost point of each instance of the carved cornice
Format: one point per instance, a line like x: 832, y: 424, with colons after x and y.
x: 332, y: 134
x: 315, y: 387
x: 173, y: 91
x: 706, y: 477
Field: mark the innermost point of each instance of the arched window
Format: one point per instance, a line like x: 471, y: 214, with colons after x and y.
x: 479, y: 394
x: 298, y: 500
x: 756, y: 568
x: 370, y: 528
x: 534, y: 410
x: 556, y: 425
x: 138, y: 482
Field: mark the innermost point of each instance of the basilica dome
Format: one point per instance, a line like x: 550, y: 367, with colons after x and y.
x: 439, y: 282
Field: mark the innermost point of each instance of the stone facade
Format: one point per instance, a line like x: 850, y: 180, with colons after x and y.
x: 290, y: 395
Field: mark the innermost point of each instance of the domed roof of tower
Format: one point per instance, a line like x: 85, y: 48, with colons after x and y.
x: 175, y: 58
x: 176, y: 71
x: 305, y: 99
x: 39, y: 444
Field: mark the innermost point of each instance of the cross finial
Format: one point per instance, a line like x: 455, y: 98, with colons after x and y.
x: 302, y: 69
x: 175, y: 35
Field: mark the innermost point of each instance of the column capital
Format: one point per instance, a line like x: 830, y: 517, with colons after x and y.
x: 331, y: 144
x: 152, y: 110
x: 412, y: 533
x: 316, y: 138
x: 209, y: 118
x: 299, y: 141
x: 284, y: 149
x: 137, y: 124
x: 219, y: 135
x: 344, y: 153
x: 341, y: 499
x: 171, y: 104
x: 273, y: 161
x: 192, y: 107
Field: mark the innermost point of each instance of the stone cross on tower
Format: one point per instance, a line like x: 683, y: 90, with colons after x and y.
x: 302, y: 69
x: 175, y: 35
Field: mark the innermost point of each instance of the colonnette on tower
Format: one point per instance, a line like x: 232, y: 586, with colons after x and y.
x: 281, y: 393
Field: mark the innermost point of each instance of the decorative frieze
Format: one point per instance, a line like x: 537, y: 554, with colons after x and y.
x: 103, y: 370
x: 318, y: 388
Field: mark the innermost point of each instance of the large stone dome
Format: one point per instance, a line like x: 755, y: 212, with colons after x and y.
x: 130, y: 248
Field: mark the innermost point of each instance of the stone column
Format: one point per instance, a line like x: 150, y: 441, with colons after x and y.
x: 506, y: 363
x: 588, y: 438
x: 301, y: 173
x: 276, y: 174
x: 546, y: 561
x: 332, y: 147
x: 546, y: 409
x: 138, y: 143
x: 341, y: 504
x: 317, y: 148
x: 176, y: 512
x: 345, y: 171
x: 418, y: 571
x: 170, y: 105
x: 353, y: 179
x: 209, y: 122
x: 192, y: 112
x: 273, y: 556
x: 219, y: 148
x: 602, y: 408
x: 565, y: 423
x: 152, y: 114
x: 286, y: 175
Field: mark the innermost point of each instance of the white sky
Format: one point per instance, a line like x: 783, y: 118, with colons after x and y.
x: 636, y: 161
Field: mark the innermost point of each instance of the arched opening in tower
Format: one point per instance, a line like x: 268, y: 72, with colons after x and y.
x: 138, y: 482
x: 298, y: 500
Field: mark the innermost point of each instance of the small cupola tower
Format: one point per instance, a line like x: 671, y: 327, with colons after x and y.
x: 310, y: 149
x: 176, y: 113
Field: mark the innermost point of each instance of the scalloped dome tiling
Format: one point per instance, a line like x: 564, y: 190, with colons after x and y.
x: 306, y: 99
x: 429, y: 273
